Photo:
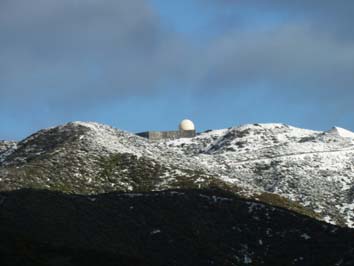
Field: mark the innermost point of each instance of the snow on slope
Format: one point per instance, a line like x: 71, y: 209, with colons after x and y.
x: 341, y: 132
x: 81, y: 152
x: 104, y: 138
x: 313, y: 168
x: 6, y: 148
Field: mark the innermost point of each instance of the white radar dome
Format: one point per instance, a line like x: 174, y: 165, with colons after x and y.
x: 186, y: 124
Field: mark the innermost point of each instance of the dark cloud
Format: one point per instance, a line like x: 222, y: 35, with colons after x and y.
x: 63, y: 50
x: 291, y: 56
x: 71, y: 53
x: 323, y: 15
x: 302, y: 49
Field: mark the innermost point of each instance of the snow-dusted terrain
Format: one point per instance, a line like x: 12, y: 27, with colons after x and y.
x: 312, y: 168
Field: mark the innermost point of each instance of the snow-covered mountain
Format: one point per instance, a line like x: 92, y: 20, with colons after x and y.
x: 310, y: 167
x: 277, y: 163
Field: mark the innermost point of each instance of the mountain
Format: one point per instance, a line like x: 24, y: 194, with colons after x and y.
x: 306, y: 171
x: 259, y: 194
x: 312, y: 168
x: 172, y: 227
x: 90, y: 158
x: 341, y: 132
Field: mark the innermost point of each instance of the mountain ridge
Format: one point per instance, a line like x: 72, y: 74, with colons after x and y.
x: 311, y: 168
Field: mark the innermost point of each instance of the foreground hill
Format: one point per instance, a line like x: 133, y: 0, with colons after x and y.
x: 183, y: 227
x: 307, y: 171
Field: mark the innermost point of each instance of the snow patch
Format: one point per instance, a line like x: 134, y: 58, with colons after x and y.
x: 156, y: 231
x: 306, y: 236
x: 341, y: 132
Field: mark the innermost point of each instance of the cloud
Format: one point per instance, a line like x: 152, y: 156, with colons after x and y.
x: 63, y: 50
x: 288, y: 57
x: 78, y: 53
x: 323, y: 15
x: 303, y: 50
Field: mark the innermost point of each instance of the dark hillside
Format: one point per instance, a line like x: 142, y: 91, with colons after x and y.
x: 185, y: 227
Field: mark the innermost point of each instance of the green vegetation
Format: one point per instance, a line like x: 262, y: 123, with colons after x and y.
x: 127, y: 170
x: 279, y: 201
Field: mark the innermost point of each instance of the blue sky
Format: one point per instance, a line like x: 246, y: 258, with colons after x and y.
x: 147, y: 64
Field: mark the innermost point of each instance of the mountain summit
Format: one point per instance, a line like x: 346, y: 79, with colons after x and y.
x: 308, y: 171
x: 259, y: 194
x: 341, y: 132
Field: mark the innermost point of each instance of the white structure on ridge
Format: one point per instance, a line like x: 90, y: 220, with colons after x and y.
x: 186, y: 130
x: 186, y: 125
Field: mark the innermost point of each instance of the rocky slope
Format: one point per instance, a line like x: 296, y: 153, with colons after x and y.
x: 183, y: 227
x: 307, y: 171
x: 6, y: 146
x: 91, y: 158
x: 309, y: 167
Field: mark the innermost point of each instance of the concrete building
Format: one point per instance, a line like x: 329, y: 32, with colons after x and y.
x: 186, y: 130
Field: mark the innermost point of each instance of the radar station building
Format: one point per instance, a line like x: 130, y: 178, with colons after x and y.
x: 186, y: 130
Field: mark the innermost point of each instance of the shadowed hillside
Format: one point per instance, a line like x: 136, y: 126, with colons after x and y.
x: 183, y: 227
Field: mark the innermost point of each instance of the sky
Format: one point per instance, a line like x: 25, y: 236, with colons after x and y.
x: 147, y: 64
